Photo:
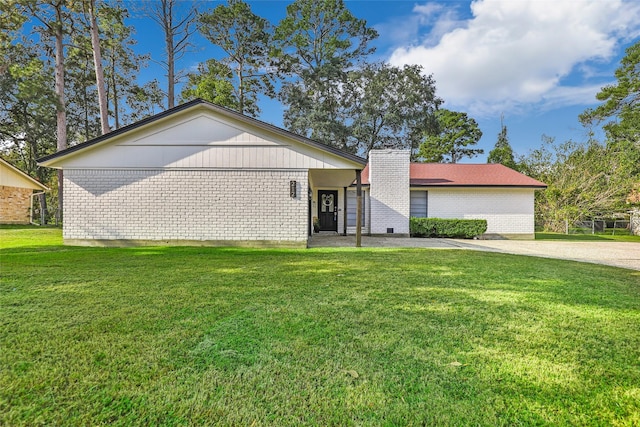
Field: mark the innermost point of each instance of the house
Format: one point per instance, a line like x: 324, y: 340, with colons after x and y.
x: 16, y: 194
x: 202, y: 174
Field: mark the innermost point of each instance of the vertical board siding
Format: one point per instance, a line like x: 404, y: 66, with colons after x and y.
x: 351, y: 209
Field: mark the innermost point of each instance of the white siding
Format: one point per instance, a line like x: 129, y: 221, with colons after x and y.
x: 203, y: 142
x: 185, y: 205
x: 507, y: 211
x: 11, y: 178
x: 352, y: 207
x: 366, y: 224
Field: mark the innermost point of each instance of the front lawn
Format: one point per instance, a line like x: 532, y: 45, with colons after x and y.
x: 214, y: 336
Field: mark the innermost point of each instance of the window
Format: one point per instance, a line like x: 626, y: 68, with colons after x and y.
x: 419, y: 204
x: 351, y: 208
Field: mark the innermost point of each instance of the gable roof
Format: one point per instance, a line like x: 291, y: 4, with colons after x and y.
x: 464, y: 175
x: 11, y: 176
x: 196, y: 103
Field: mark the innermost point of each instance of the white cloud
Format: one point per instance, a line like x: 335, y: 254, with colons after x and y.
x: 406, y: 29
x: 512, y: 53
x: 428, y: 9
x: 562, y: 96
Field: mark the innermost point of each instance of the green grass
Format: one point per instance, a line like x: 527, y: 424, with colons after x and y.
x: 588, y: 237
x: 215, y: 336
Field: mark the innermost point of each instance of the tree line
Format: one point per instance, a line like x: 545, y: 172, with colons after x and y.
x: 591, y: 179
x: 69, y: 73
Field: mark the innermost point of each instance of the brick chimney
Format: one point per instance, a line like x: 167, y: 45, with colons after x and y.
x: 389, y: 192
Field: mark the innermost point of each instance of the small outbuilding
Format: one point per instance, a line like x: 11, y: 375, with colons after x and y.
x: 16, y: 194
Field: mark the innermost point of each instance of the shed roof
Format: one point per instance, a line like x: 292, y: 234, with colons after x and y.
x: 464, y: 175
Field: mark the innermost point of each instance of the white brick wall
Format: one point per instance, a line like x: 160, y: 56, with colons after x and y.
x: 249, y: 205
x: 507, y: 211
x: 389, y: 191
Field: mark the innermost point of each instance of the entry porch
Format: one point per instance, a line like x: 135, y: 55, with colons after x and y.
x: 333, y: 203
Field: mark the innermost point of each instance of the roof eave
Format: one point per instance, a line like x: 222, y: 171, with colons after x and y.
x: 479, y: 186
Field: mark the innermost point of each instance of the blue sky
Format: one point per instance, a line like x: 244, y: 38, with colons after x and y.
x: 538, y: 63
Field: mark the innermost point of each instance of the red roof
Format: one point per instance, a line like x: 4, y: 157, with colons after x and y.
x: 464, y: 175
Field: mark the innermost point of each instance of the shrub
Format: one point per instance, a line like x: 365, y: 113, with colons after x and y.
x: 439, y: 227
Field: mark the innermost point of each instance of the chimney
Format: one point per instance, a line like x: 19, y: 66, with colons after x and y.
x: 389, y: 192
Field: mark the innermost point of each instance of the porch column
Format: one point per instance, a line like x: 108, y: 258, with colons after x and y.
x: 344, y: 211
x: 358, y: 208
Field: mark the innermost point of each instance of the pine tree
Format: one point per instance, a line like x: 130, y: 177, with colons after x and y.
x: 502, y: 152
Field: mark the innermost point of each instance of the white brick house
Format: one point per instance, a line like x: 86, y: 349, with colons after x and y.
x: 203, y: 174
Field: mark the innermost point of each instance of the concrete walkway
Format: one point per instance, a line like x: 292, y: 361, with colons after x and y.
x: 617, y: 254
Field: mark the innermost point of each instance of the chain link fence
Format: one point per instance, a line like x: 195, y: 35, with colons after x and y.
x: 605, y: 226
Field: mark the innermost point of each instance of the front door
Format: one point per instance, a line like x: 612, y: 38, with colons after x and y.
x: 328, y: 210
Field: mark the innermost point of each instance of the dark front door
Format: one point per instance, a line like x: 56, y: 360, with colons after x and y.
x: 328, y: 210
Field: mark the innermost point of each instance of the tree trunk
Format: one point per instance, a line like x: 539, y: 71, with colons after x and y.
x: 87, y: 132
x: 42, y: 198
x: 162, y: 12
x: 61, y: 114
x: 116, y: 111
x: 167, y: 6
x: 240, y: 91
x: 171, y: 75
x: 97, y: 60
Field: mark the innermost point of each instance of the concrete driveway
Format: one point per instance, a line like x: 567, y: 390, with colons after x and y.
x: 617, y: 254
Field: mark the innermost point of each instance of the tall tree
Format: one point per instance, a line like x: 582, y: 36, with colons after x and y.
x: 456, y: 133
x: 91, y: 14
x: 584, y: 181
x: 502, y: 152
x: 245, y: 38
x: 320, y: 34
x: 53, y: 22
x: 391, y: 107
x: 213, y: 83
x: 122, y: 63
x: 177, y: 23
x: 621, y: 101
x: 83, y: 112
x: 28, y: 112
x: 621, y: 111
x: 316, y: 44
x: 144, y: 101
x: 12, y: 19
